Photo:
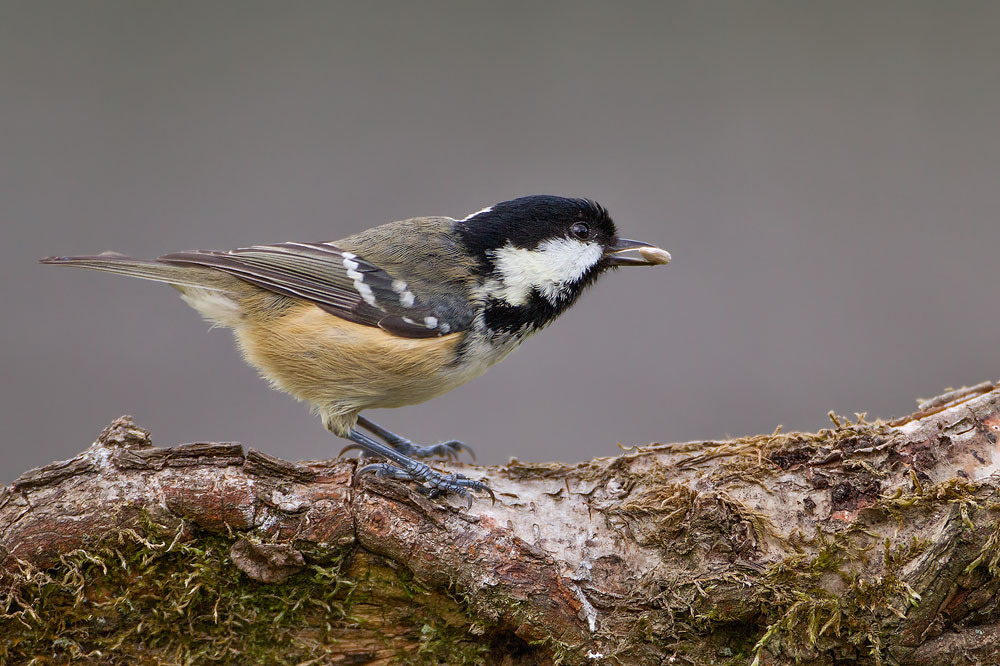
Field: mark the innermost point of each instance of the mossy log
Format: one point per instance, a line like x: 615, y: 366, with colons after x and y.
x: 870, y: 543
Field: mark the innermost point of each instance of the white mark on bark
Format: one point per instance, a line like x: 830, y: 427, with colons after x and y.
x: 588, y: 610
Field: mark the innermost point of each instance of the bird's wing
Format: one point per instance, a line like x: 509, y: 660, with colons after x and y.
x: 336, y: 280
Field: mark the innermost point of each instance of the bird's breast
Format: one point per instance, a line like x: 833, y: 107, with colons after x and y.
x: 326, y: 360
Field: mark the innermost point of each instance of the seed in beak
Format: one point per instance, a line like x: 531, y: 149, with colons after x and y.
x: 655, y: 255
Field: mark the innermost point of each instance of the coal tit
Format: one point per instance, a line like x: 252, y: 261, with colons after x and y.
x: 397, y: 314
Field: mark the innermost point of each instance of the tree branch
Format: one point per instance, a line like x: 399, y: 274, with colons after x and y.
x: 870, y: 542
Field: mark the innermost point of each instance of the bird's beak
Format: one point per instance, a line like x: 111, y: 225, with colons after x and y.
x: 649, y: 255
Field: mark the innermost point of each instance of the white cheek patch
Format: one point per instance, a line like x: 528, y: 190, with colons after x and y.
x: 549, y: 268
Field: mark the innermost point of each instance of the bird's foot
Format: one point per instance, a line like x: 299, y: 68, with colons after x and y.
x: 450, y: 450
x: 433, y: 483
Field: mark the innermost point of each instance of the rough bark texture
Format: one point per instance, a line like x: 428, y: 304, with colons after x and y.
x: 867, y: 543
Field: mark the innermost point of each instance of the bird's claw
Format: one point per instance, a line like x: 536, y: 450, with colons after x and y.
x: 458, y: 447
x: 349, y: 447
x: 432, y: 482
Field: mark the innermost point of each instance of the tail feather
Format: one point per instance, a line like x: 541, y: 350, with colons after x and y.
x: 145, y: 269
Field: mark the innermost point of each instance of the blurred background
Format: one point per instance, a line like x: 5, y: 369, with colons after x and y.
x: 826, y: 175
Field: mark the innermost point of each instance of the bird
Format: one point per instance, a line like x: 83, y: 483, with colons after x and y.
x: 397, y: 314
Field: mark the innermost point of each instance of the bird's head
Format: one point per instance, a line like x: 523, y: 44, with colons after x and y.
x: 538, y: 253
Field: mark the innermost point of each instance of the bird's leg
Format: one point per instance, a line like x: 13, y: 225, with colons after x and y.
x: 407, y: 469
x: 450, y: 449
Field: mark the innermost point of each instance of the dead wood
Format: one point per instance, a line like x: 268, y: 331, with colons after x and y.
x: 868, y: 543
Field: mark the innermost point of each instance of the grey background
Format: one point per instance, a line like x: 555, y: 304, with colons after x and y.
x: 827, y: 176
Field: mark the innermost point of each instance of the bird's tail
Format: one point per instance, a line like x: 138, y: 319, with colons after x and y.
x: 146, y: 269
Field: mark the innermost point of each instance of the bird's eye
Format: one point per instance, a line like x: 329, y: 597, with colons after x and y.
x: 581, y: 230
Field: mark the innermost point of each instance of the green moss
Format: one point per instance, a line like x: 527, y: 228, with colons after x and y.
x: 659, y: 511
x: 838, y: 593
x: 165, y: 600
x: 446, y: 644
x: 160, y: 598
x: 951, y: 491
x: 750, y: 459
x: 446, y: 634
x: 803, y: 615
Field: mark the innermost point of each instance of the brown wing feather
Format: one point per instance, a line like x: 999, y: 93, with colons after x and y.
x: 339, y: 282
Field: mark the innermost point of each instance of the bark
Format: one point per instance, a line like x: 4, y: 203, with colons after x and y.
x: 868, y: 543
